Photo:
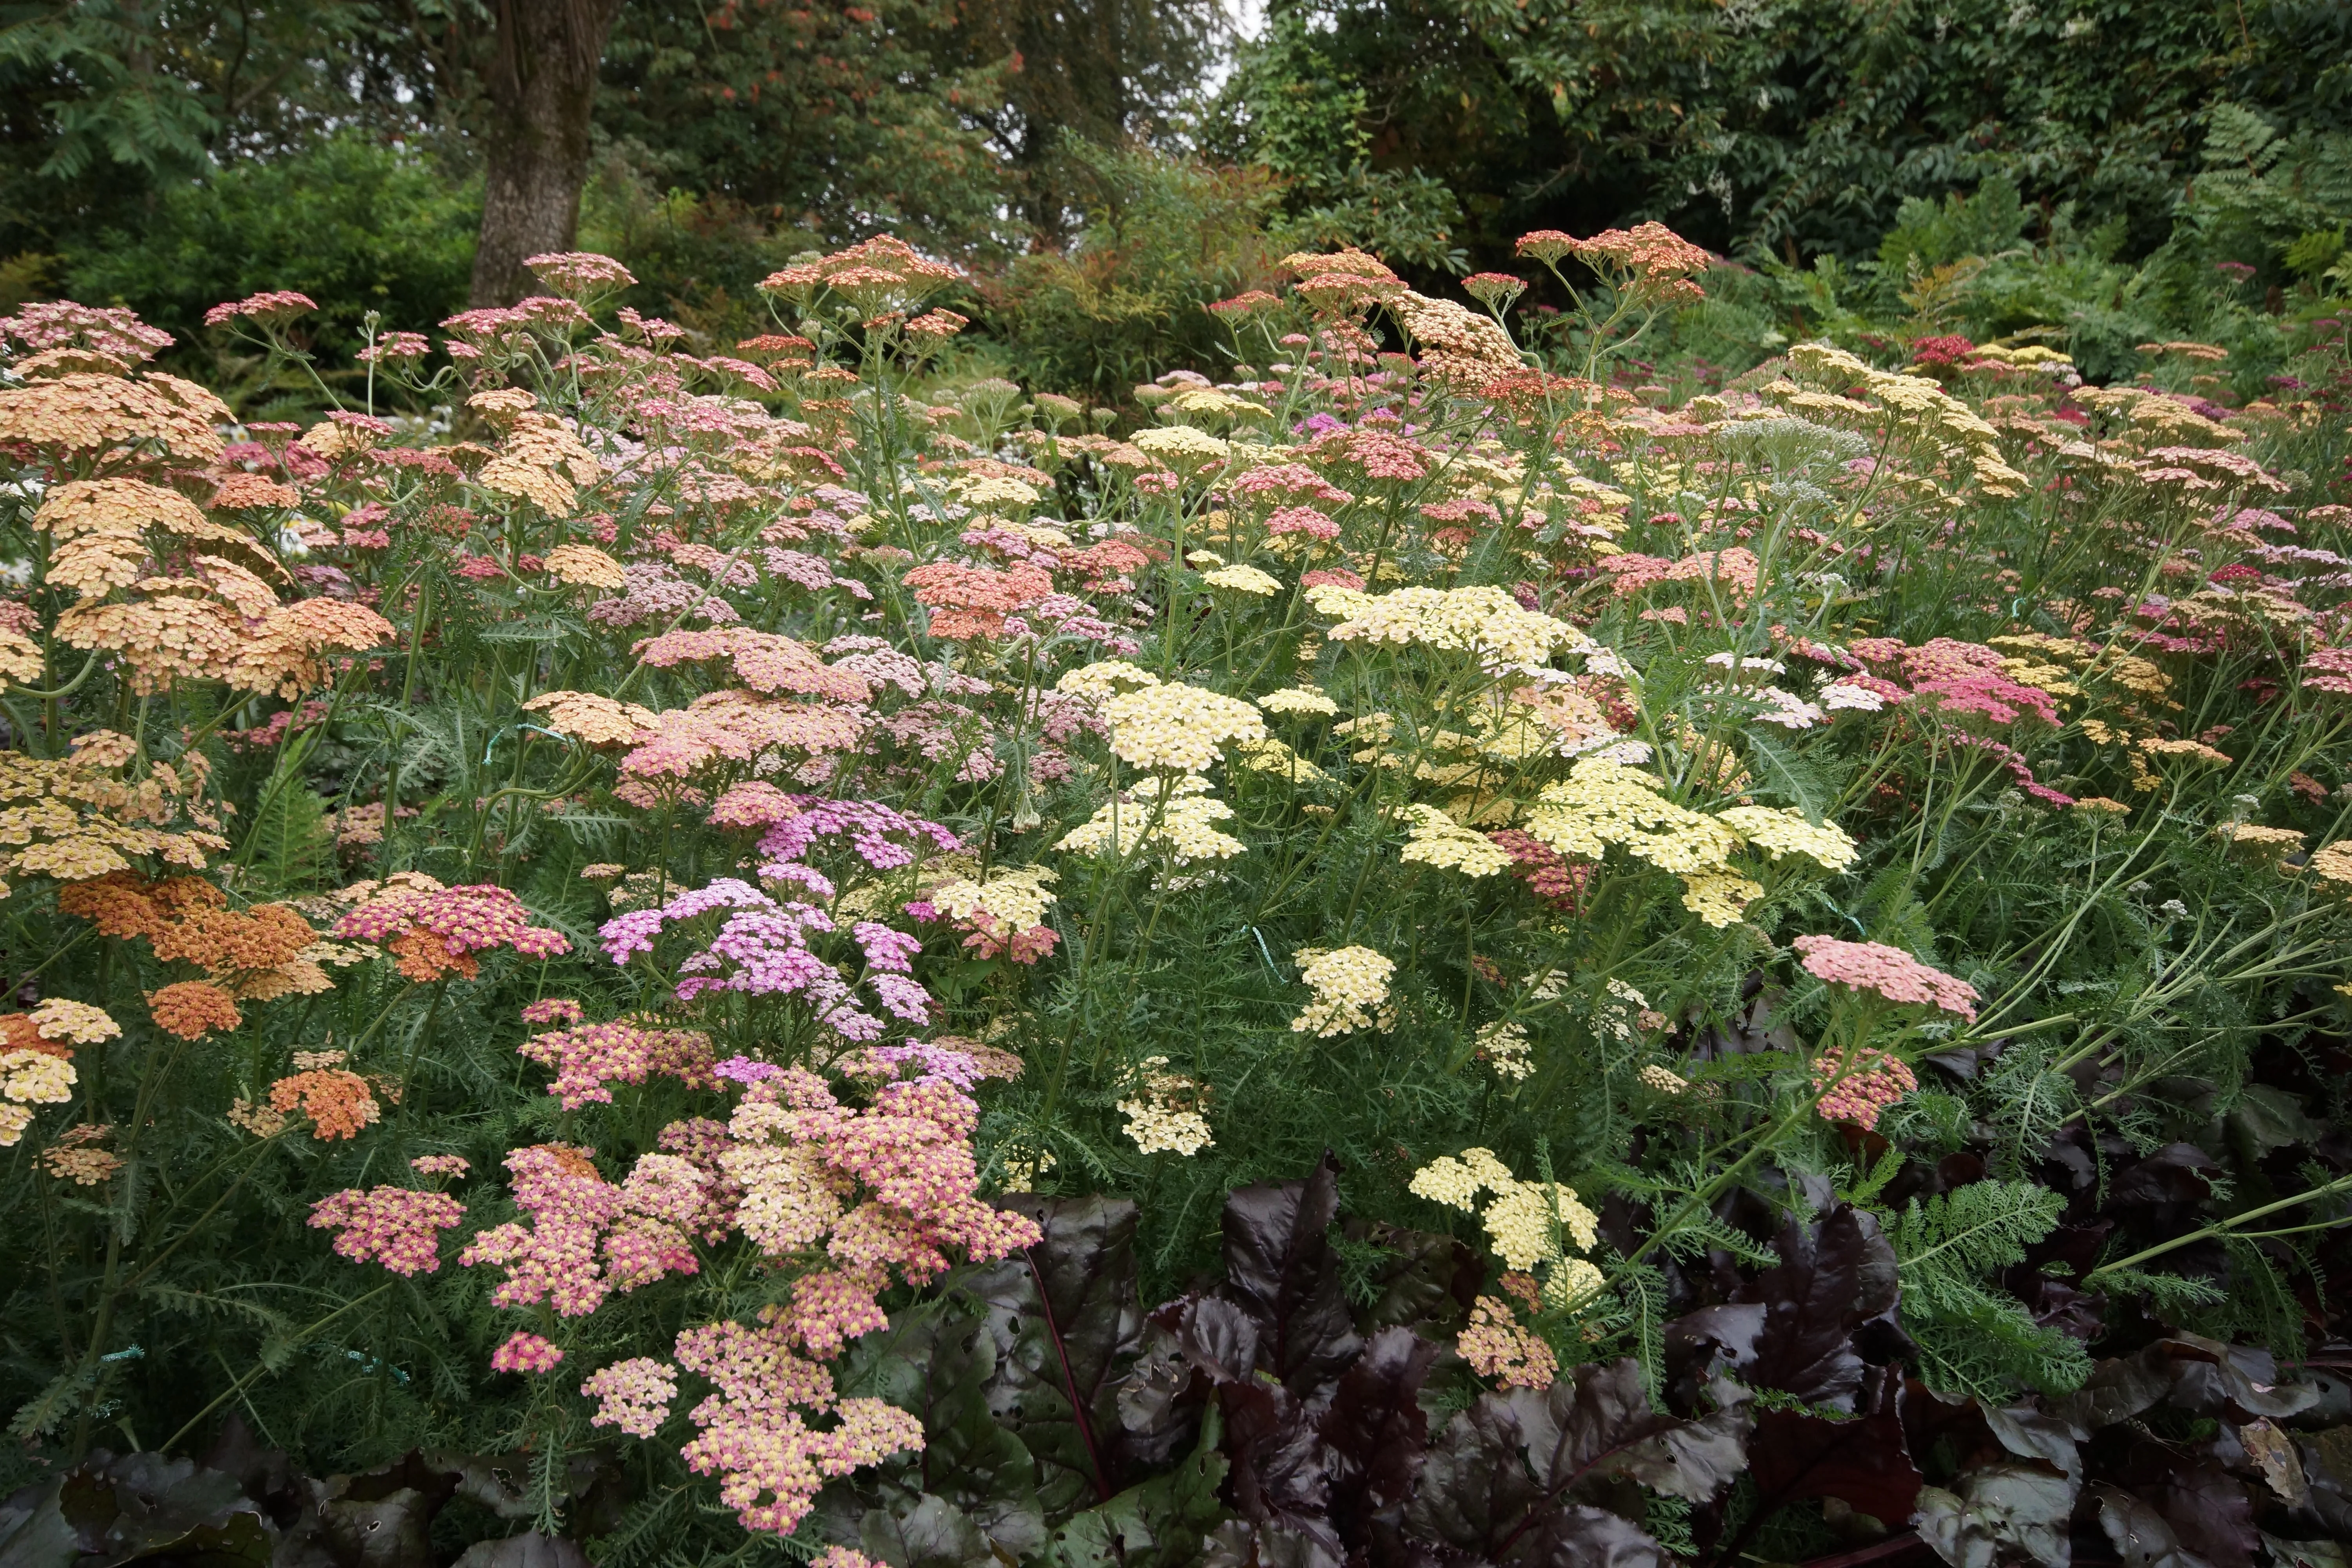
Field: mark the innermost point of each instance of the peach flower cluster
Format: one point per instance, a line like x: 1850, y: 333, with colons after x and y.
x: 1888, y: 971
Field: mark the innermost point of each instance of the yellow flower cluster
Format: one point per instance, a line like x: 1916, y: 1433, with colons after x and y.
x: 2272, y: 841
x: 1783, y: 830
x: 1529, y: 1222
x: 1106, y: 678
x: 1178, y: 728
x: 1180, y: 446
x: 1436, y: 839
x: 1658, y: 1080
x: 1604, y: 801
x: 1485, y: 621
x: 1273, y: 757
x: 586, y: 566
x: 1352, y: 991
x: 74, y: 1023
x: 1245, y: 579
x: 1017, y: 898
x: 2332, y: 862
x: 1180, y: 816
x: 1298, y: 699
x: 65, y: 818
x: 1916, y: 403
x: 593, y: 719
x: 535, y: 459
x: 1163, y: 1117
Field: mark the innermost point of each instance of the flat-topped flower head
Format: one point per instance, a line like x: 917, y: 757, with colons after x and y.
x: 1887, y: 972
x: 1178, y: 728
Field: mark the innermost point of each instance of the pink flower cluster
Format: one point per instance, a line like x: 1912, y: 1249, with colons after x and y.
x: 397, y: 1226
x: 755, y: 1436
x: 972, y: 602
x: 632, y: 1394
x: 1888, y: 971
x: 525, y: 1352
x: 441, y: 1165
x: 590, y: 1058
x: 552, y: 1010
x: 456, y: 921
x: 277, y: 305
x: 640, y: 1228
x: 1859, y: 1086
x: 800, y: 1155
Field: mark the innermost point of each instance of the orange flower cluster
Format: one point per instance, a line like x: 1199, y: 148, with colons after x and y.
x: 969, y: 603
x: 251, y: 955
x: 878, y: 273
x: 193, y: 1009
x: 108, y: 419
x: 338, y: 1100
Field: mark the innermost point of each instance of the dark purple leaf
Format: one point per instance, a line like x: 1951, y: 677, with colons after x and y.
x: 1835, y: 1277
x: 1500, y: 1483
x: 1428, y: 1281
x: 1068, y: 1326
x: 528, y: 1550
x: 2173, y: 1174
x: 2207, y: 1508
x: 1998, y: 1513
x: 1375, y: 1432
x: 1279, y: 1268
x: 1863, y: 1461
x: 2140, y: 1534
x: 2210, y: 1378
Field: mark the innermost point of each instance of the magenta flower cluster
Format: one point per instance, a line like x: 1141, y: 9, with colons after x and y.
x: 763, y: 950
x: 397, y: 1226
x: 525, y: 1352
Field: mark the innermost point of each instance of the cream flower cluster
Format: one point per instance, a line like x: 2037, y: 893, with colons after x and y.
x: 1529, y: 1224
x: 27, y: 1079
x: 1164, y: 1115
x: 1178, y: 816
x: 1506, y: 1048
x: 1436, y: 839
x: 1352, y: 991
x: 1017, y: 898
x: 1485, y: 620
x: 1178, y: 728
x: 1298, y: 699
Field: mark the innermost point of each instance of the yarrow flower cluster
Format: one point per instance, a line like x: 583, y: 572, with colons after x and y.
x: 1179, y: 816
x: 1529, y: 1224
x: 525, y: 1352
x: 1352, y: 991
x: 1887, y: 972
x: 633, y: 1395
x: 1858, y: 1085
x: 1164, y: 1115
x: 1496, y: 1347
x: 397, y: 1226
x: 435, y: 931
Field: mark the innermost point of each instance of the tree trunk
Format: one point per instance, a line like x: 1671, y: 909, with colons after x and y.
x: 542, y: 88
